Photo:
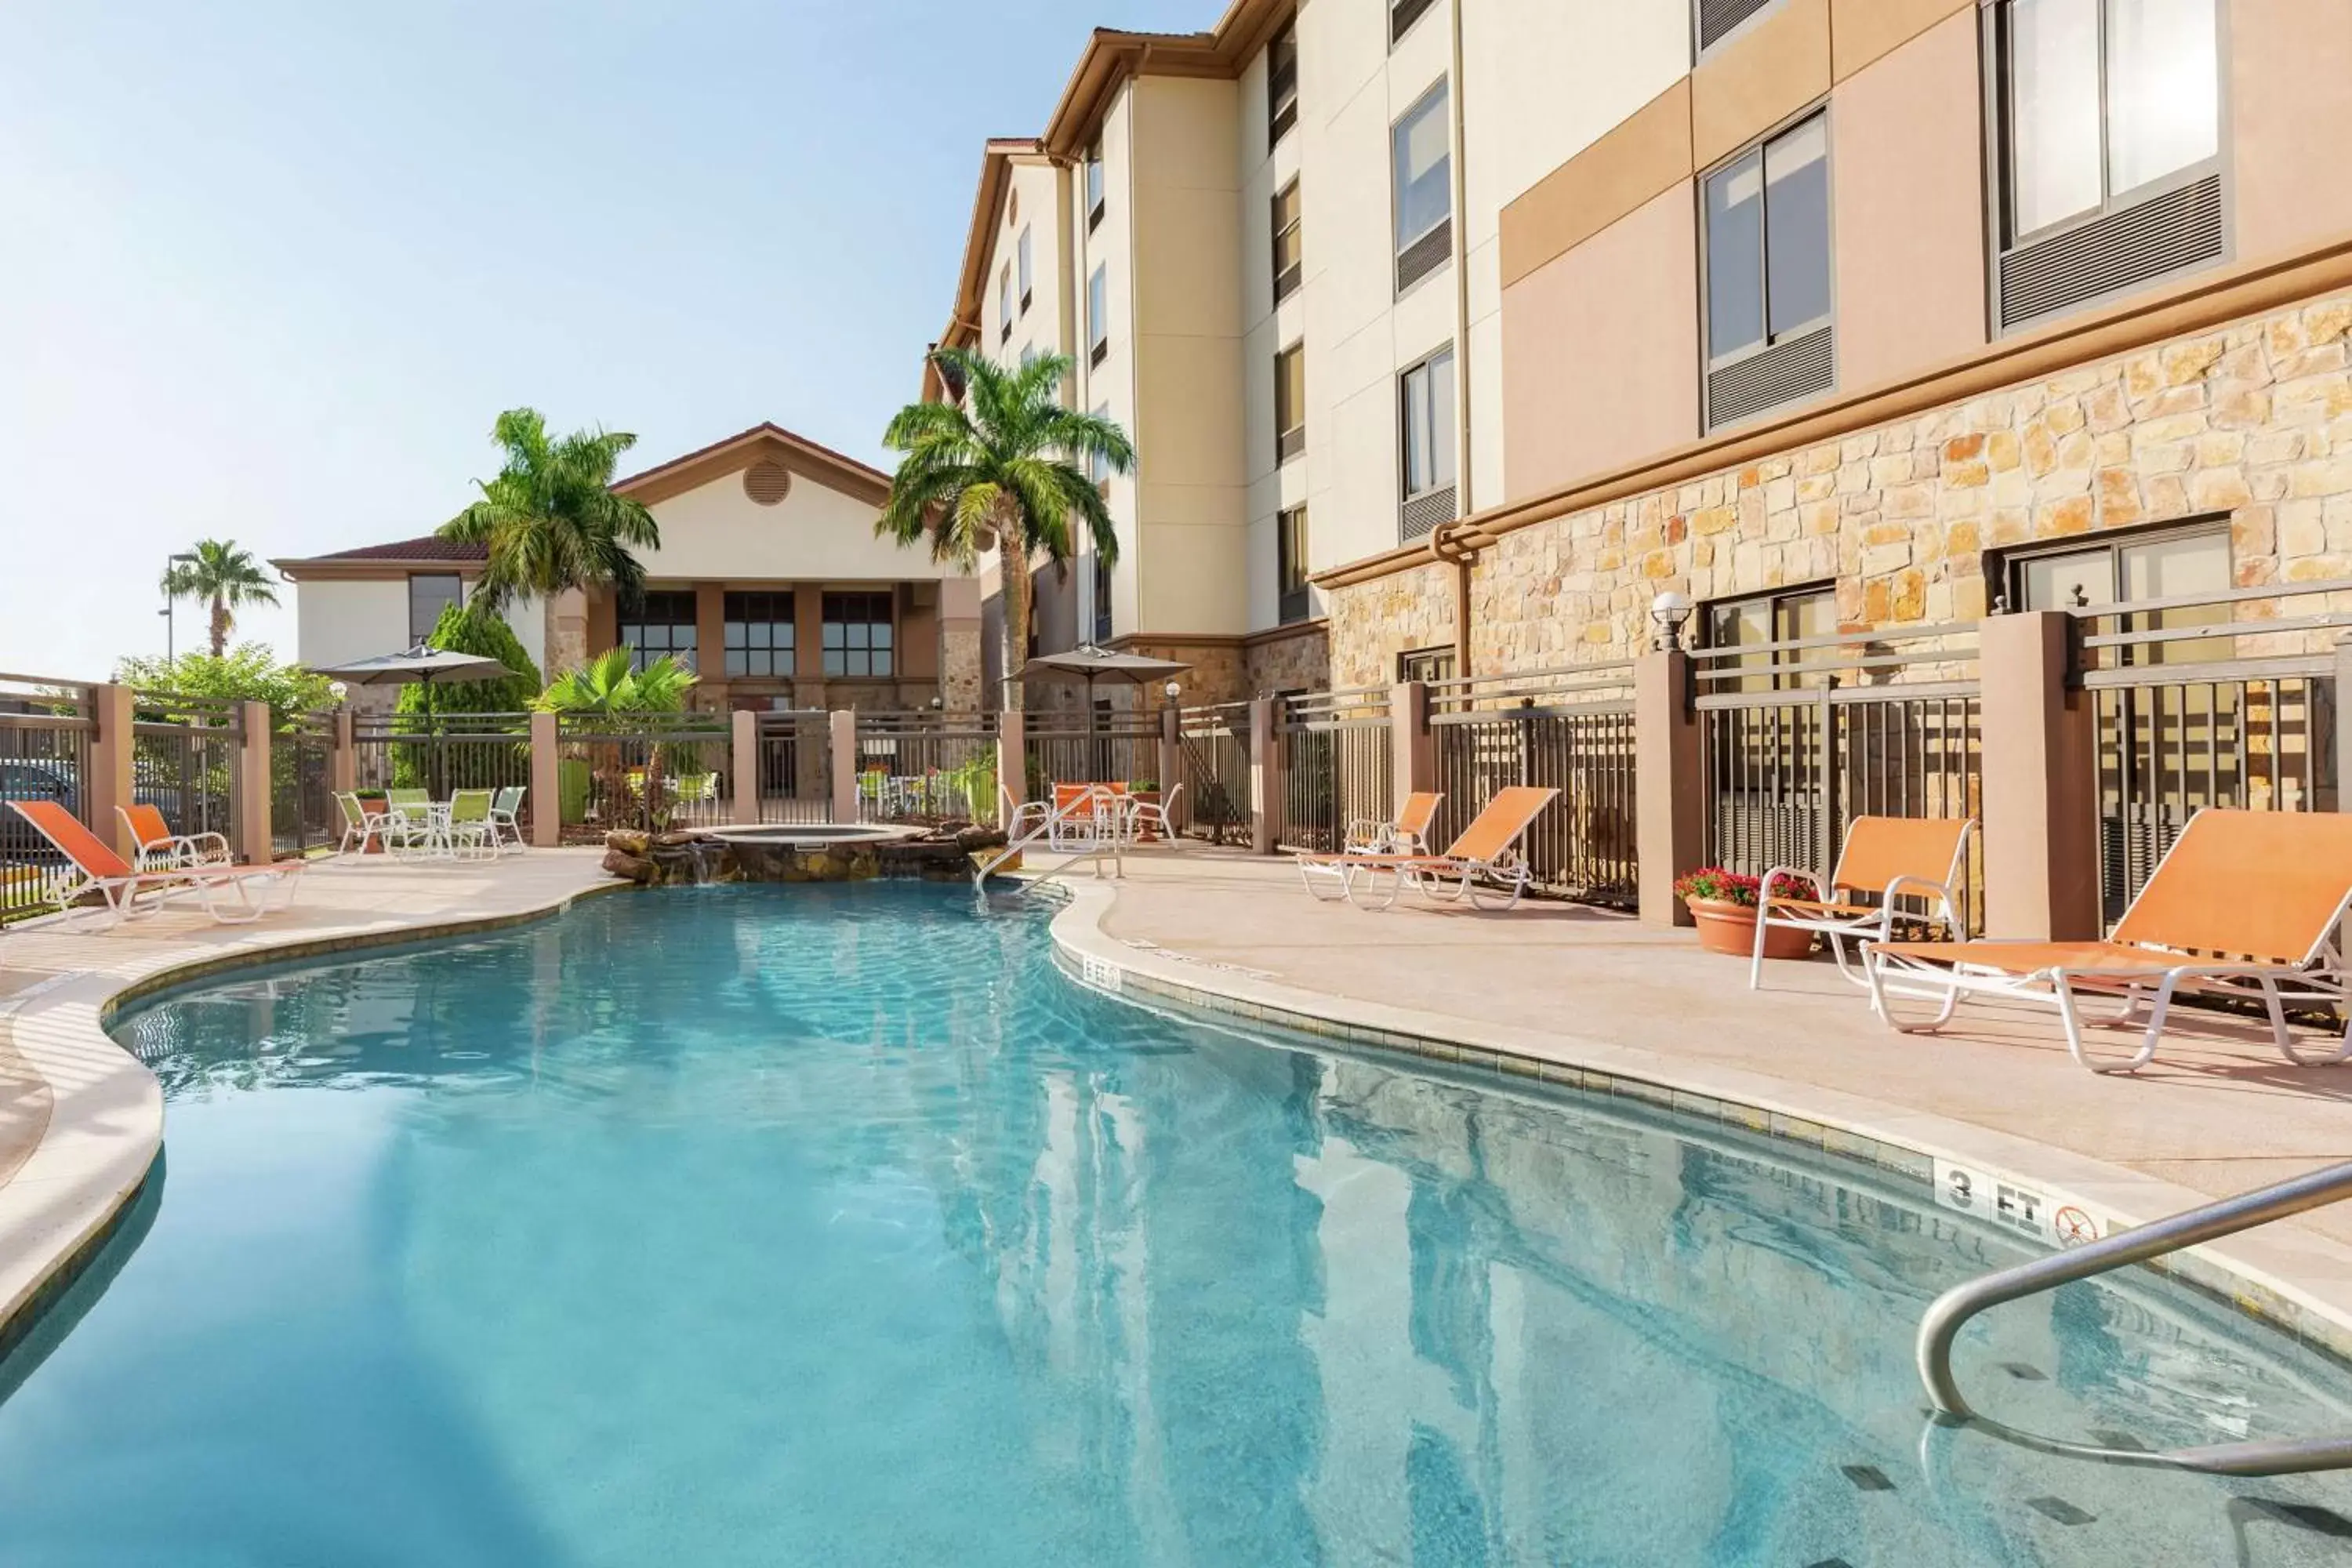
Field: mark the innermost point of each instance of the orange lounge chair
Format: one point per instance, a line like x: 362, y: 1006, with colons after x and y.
x: 1484, y: 861
x: 2245, y: 904
x: 128, y: 892
x: 160, y: 847
x: 1884, y: 858
x: 1405, y: 834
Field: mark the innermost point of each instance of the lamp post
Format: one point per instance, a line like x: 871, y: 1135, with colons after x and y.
x: 1670, y: 610
x: 170, y: 602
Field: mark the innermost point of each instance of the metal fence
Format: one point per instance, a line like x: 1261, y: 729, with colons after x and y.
x: 926, y: 767
x: 442, y: 752
x: 2225, y: 699
x: 303, y: 814
x: 1800, y: 737
x: 1338, y: 764
x: 1215, y: 745
x: 1569, y: 728
x: 796, y: 766
x: 45, y: 731
x: 183, y: 759
x: 1116, y: 748
x: 668, y: 772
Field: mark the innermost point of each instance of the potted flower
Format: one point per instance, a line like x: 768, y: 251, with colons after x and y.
x: 1724, y: 904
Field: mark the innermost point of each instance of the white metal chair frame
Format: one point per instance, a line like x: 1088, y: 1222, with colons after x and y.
x: 361, y: 826
x: 1878, y: 925
x: 506, y: 810
x: 179, y: 849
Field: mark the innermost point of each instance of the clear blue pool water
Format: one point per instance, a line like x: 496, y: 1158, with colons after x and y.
x: 810, y: 1226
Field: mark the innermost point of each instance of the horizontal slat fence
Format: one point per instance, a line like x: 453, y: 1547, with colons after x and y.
x: 927, y: 768
x: 1569, y: 729
x: 2225, y: 699
x: 1339, y: 766
x: 795, y: 766
x: 1800, y: 737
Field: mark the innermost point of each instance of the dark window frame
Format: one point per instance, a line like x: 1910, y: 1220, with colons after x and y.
x: 661, y: 608
x: 1289, y: 438
x: 1097, y: 191
x: 781, y: 651
x: 1438, y: 93
x: 1281, y: 84
x: 1101, y: 592
x: 1404, y: 16
x: 1286, y: 279
x: 1427, y: 664
x: 457, y: 596
x: 1026, y: 264
x: 2006, y: 566
x: 1098, y: 314
x: 1004, y: 305
x: 1780, y: 602
x: 1756, y: 150
x: 1290, y: 545
x: 1448, y: 438
x: 852, y: 614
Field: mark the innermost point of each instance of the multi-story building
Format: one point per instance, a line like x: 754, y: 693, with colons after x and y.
x: 769, y: 583
x: 1452, y: 332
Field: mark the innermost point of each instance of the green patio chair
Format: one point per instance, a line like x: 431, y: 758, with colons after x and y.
x: 470, y: 827
x: 505, y: 813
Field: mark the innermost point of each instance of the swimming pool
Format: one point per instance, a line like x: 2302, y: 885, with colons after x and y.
x: 835, y: 1225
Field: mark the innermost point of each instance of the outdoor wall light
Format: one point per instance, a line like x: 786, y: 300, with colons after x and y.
x: 337, y: 690
x: 1174, y: 690
x: 1670, y: 610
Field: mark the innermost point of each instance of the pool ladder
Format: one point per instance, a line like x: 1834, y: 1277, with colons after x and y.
x: 1952, y: 1310
x: 1081, y: 806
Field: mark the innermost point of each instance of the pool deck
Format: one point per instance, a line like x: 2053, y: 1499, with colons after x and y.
x: 1565, y: 993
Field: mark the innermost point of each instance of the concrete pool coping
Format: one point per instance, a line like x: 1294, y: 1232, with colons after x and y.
x: 103, y: 1125
x: 2295, y: 1280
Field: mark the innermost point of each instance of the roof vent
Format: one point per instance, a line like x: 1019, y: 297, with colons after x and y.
x: 767, y: 482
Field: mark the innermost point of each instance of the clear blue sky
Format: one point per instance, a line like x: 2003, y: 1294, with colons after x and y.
x: 268, y: 268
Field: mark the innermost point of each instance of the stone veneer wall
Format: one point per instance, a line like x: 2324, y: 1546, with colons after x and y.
x: 959, y: 667
x: 1300, y: 662
x: 2252, y: 421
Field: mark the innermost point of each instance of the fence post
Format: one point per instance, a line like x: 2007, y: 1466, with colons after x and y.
x: 1669, y: 787
x: 1265, y: 776
x: 844, y: 764
x: 1011, y: 758
x: 112, y: 780
x: 2041, y: 781
x: 546, y: 783
x: 1413, y: 750
x: 343, y: 760
x: 746, y: 754
x: 254, y: 846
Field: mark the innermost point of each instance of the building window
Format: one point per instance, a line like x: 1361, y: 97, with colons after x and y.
x: 857, y: 634
x: 1761, y: 620
x: 1425, y: 444
x: 1289, y: 252
x: 1004, y: 305
x: 1098, y: 314
x: 1290, y: 563
x: 760, y: 634
x: 1428, y: 665
x: 1423, y: 174
x: 1768, y: 334
x: 2166, y: 563
x: 2109, y: 116
x: 659, y: 624
x: 1094, y: 186
x: 1028, y: 355
x: 1281, y: 83
x: 1028, y: 274
x: 1289, y: 403
x: 1102, y: 632
x: 430, y: 593
x: 1098, y: 462
x: 1402, y: 14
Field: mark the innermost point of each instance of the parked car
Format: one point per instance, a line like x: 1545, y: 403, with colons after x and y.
x: 27, y: 778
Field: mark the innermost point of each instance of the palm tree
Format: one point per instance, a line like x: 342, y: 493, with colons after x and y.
x: 609, y: 687
x: 552, y: 523
x: 230, y: 578
x: 1003, y: 467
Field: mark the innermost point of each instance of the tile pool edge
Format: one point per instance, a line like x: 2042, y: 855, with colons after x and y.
x: 2295, y: 1281
x: 105, y: 1123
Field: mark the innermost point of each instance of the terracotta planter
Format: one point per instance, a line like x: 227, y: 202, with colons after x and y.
x: 1149, y: 834
x: 1731, y: 928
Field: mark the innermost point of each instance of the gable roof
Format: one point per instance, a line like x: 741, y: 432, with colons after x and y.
x: 740, y: 450
x: 396, y: 559
x: 428, y: 548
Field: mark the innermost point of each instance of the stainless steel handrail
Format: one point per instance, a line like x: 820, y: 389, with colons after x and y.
x: 1951, y: 1311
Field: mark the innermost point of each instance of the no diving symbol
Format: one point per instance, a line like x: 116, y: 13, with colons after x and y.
x: 2073, y: 1226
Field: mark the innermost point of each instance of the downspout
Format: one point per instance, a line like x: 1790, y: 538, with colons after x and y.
x: 1466, y: 463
